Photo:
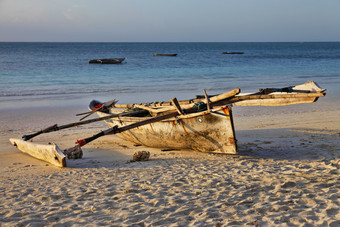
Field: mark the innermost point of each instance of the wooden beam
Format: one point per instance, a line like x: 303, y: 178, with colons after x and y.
x: 175, y: 103
x: 216, y: 98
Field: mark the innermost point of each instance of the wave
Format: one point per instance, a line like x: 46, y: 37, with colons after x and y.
x: 114, y: 91
x: 194, y: 84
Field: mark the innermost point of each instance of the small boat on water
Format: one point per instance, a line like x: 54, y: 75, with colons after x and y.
x: 171, y: 55
x: 107, y: 61
x: 232, y: 52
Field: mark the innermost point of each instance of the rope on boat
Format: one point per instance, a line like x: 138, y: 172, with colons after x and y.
x: 201, y: 106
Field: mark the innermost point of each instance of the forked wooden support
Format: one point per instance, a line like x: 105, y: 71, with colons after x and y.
x: 207, y: 100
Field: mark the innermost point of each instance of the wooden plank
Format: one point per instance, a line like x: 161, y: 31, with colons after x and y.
x: 225, y: 95
x: 49, y: 153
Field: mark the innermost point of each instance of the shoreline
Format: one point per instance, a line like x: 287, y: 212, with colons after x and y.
x: 82, y: 100
x: 286, y: 173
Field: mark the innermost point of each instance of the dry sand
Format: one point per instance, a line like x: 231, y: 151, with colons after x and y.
x: 286, y: 174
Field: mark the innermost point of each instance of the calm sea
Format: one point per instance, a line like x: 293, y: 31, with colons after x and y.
x: 43, y: 74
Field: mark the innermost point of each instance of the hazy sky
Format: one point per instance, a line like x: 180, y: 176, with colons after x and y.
x: 169, y: 20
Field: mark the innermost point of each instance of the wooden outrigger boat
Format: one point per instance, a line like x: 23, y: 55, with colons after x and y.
x: 207, y: 131
x: 210, y: 129
x: 202, y: 124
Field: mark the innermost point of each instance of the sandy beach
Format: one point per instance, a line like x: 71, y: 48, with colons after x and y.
x: 286, y: 174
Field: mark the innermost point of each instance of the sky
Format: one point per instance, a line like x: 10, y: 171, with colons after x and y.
x: 169, y: 20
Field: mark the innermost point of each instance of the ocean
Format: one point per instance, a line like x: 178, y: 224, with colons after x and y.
x: 58, y: 74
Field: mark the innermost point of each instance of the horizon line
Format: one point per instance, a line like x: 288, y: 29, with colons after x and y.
x: 169, y: 41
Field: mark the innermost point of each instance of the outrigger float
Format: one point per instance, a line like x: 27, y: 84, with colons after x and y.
x: 203, y: 124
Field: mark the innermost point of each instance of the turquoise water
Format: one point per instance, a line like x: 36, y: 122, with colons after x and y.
x: 42, y: 72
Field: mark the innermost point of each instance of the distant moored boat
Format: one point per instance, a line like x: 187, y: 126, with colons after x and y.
x: 165, y: 55
x: 232, y: 52
x: 107, y: 60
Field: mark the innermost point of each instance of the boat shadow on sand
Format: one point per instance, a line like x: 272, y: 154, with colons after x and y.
x: 265, y: 144
x: 290, y: 144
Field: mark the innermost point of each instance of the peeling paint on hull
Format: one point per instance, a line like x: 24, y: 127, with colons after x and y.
x: 206, y: 132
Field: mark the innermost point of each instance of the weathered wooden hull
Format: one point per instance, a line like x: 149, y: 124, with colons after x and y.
x: 202, y: 131
x: 49, y: 153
